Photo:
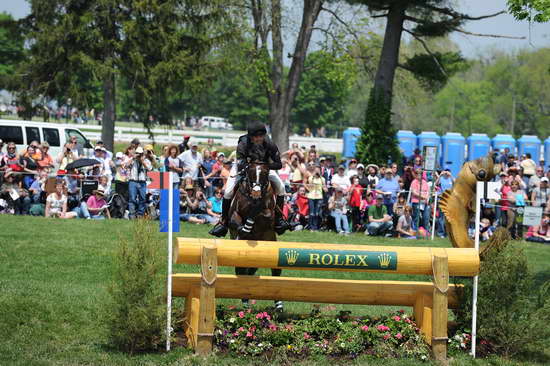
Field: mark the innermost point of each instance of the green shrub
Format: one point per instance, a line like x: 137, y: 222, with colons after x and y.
x: 136, y: 312
x: 512, y: 317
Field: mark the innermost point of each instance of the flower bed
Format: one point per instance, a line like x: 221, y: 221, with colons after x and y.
x: 257, y: 332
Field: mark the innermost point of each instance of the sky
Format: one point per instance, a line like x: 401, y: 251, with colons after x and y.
x: 537, y: 35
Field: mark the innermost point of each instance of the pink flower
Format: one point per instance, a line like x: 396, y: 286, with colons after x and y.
x: 241, y: 314
x: 396, y: 318
x: 398, y: 336
x: 306, y: 336
x: 241, y: 329
x: 252, y: 302
x: 354, y: 322
x: 248, y: 334
x: 267, y: 316
x: 272, y: 326
x: 386, y: 337
x: 260, y: 316
x: 364, y: 328
x: 249, y: 311
x: 383, y: 328
x: 408, y: 321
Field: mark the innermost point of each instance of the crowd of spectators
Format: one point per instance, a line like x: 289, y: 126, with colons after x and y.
x: 322, y: 194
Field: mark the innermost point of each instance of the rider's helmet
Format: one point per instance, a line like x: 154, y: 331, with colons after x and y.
x: 256, y: 129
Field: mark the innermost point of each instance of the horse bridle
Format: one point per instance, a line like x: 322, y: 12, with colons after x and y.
x: 254, y: 190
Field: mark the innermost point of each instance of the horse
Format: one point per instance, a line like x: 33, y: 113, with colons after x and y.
x: 252, y: 212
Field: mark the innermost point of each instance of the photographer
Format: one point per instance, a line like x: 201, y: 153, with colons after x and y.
x: 66, y: 156
x: 200, y: 207
x: 138, y: 166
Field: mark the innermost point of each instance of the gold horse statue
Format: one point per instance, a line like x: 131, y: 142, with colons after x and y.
x: 458, y: 203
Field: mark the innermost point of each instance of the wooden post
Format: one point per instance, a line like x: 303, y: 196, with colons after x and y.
x: 191, y: 322
x: 207, y: 308
x: 440, y: 303
x: 423, y: 315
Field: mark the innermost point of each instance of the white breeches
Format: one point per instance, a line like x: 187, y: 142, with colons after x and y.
x: 276, y: 182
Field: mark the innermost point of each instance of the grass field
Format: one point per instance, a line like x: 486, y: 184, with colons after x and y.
x: 54, y: 275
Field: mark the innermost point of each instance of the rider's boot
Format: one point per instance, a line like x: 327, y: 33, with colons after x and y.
x: 281, y: 225
x: 220, y: 230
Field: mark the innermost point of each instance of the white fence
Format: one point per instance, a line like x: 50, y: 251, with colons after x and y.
x: 225, y: 138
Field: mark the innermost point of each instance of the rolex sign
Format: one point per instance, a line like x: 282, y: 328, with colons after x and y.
x: 349, y: 259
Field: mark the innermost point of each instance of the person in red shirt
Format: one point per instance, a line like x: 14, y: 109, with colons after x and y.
x: 355, y: 192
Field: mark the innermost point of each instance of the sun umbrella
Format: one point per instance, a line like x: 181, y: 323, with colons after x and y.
x: 80, y: 163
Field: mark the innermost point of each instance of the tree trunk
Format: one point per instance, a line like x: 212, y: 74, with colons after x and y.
x: 281, y: 96
x: 389, y: 58
x: 109, y: 114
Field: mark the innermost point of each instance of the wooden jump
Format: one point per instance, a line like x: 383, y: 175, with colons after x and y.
x: 430, y: 300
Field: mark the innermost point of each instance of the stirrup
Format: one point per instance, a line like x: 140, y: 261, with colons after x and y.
x: 219, y: 231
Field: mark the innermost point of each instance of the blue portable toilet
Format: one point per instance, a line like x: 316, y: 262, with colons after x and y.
x: 479, y: 145
x: 407, y: 142
x: 429, y: 138
x: 504, y: 141
x: 529, y: 144
x: 547, y: 153
x: 350, y: 137
x: 452, y: 151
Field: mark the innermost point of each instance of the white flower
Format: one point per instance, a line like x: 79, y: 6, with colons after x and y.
x: 463, y: 345
x: 232, y: 341
x: 342, y: 344
x: 232, y: 320
x: 260, y: 344
x: 423, y: 357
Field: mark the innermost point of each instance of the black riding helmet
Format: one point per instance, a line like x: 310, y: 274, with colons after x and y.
x: 256, y: 129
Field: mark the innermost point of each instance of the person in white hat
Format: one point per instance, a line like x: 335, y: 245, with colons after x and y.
x: 138, y: 166
x: 540, y: 196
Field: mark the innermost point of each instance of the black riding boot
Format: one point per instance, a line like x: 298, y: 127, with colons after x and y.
x: 281, y: 225
x: 220, y: 230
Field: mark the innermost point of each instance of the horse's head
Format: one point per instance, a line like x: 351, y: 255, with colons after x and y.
x: 257, y: 178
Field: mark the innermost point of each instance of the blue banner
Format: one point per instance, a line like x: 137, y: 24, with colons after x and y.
x: 164, y: 211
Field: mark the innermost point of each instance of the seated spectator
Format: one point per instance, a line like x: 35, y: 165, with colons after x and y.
x: 46, y: 162
x: 300, y: 203
x: 29, y: 165
x: 216, y: 203
x: 104, y: 185
x: 95, y: 207
x: 56, y: 203
x: 404, y: 224
x: 380, y: 223
x: 541, y: 233
x: 186, y: 201
x: 485, y: 229
x: 338, y: 206
x: 17, y: 198
x: 372, y: 176
x: 38, y: 187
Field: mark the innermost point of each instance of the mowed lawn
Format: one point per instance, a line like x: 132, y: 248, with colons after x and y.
x: 54, y: 276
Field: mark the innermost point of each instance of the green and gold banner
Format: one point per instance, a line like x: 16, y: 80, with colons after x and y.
x: 352, y: 259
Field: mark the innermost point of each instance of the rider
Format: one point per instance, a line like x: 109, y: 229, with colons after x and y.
x: 255, y: 146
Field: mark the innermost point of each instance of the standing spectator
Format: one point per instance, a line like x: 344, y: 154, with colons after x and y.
x: 517, y: 198
x: 206, y: 172
x: 298, y: 171
x: 173, y: 164
x: 363, y: 181
x: 416, y: 155
x: 380, y: 223
x: 445, y: 180
x: 76, y: 147
x: 420, y: 193
x: 192, y: 161
x: 340, y: 180
x: 217, y: 168
x: 372, y: 176
x: 150, y: 154
x: 326, y: 170
x: 66, y: 156
x: 56, y: 203
x: 540, y: 195
x: 338, y: 206
x: 514, y: 176
x: 46, y: 162
x: 138, y: 166
x: 315, y: 187
x: 352, y: 168
x: 389, y: 187
x: 534, y: 181
x: 404, y: 224
x: 355, y: 198
x: 529, y: 168
x: 226, y: 171
x: 184, y: 146
x: 504, y: 202
x: 284, y: 174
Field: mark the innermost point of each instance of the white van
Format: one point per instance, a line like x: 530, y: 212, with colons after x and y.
x: 24, y: 132
x: 215, y: 122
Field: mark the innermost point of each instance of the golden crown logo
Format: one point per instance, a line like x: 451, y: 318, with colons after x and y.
x: 292, y: 257
x: 384, y: 260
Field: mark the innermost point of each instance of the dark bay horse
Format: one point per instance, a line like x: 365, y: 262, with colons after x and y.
x: 252, y: 212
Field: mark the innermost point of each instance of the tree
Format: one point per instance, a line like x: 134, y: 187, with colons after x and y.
x: 531, y: 10
x: 281, y: 88
x: 11, y: 48
x: 432, y: 18
x: 156, y: 45
x: 325, y: 86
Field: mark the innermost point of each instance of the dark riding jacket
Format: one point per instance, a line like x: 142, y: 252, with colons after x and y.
x: 266, y: 152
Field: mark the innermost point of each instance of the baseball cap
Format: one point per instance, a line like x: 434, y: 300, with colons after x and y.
x: 502, y: 174
x: 544, y: 179
x: 139, y: 150
x: 342, y: 167
x: 194, y: 144
x: 186, y: 136
x: 221, y: 154
x: 119, y: 155
x: 135, y: 141
x: 97, y: 148
x: 379, y: 197
x: 322, y: 158
x: 1, y: 142
x: 360, y: 166
x: 148, y: 147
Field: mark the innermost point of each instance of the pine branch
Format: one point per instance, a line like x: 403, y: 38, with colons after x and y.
x: 427, y: 49
x: 456, y: 14
x: 486, y: 35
